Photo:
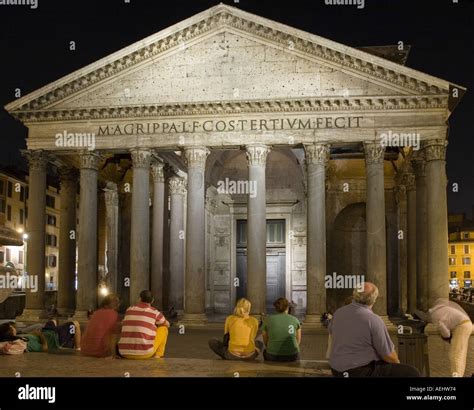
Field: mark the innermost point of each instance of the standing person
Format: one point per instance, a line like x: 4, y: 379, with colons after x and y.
x: 361, y: 345
x: 455, y: 327
x: 144, y: 330
x: 241, y: 329
x: 281, y: 334
x: 101, y: 335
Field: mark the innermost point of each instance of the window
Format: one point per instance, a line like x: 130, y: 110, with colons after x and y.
x: 51, y: 261
x: 465, y: 235
x: 27, y: 192
x: 9, y: 255
x: 466, y: 249
x: 467, y: 275
x: 466, y: 261
x: 9, y: 212
x: 20, y: 257
x: 2, y: 205
x: 9, y: 189
x: 453, y: 275
x: 2, y: 256
x: 51, y: 240
x: 452, y: 261
x: 2, y: 187
x: 50, y: 200
x: 51, y: 220
x: 22, y: 216
x: 22, y: 193
x: 51, y: 285
x: 275, y: 232
x: 26, y: 213
x: 453, y: 249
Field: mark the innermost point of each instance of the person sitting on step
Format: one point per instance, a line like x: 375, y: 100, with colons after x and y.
x: 282, y: 334
x: 240, y: 330
x: 144, y: 330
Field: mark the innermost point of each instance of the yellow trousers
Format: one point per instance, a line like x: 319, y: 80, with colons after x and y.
x: 458, y: 348
x: 159, y: 345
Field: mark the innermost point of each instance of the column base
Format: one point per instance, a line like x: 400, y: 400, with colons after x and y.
x: 65, y: 312
x: 32, y: 315
x: 390, y: 325
x: 193, y: 319
x: 80, y: 316
x: 313, y: 321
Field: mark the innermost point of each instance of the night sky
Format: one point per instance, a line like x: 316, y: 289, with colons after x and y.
x: 35, y: 50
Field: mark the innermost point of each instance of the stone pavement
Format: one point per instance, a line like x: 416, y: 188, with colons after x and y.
x: 189, y: 355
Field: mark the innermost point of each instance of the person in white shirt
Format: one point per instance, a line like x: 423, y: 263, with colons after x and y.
x: 454, y: 326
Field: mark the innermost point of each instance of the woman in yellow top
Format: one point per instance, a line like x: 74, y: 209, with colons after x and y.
x: 242, y: 330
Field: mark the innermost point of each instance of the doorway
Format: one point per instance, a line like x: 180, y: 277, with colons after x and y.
x: 276, y: 260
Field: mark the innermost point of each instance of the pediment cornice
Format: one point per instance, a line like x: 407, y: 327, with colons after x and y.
x: 383, y: 103
x: 346, y: 58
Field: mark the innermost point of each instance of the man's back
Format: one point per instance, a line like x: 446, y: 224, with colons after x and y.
x: 359, y: 337
x: 139, y: 329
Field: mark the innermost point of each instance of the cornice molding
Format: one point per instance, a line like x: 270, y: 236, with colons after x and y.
x: 225, y: 18
x: 323, y: 104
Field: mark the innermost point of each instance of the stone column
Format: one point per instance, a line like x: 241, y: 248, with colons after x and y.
x: 86, y: 295
x: 411, y: 242
x: 112, y: 236
x: 257, y: 229
x: 157, y: 233
x: 140, y: 224
x: 375, y: 222
x: 195, y: 277
x: 36, y: 230
x: 67, y: 241
x: 177, y: 189
x: 401, y: 198
x: 419, y: 164
x: 317, y: 157
x: 437, y: 219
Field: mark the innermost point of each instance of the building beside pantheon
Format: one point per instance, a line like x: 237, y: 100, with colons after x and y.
x: 229, y: 156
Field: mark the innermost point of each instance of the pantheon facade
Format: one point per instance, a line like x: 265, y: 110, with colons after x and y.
x: 230, y: 155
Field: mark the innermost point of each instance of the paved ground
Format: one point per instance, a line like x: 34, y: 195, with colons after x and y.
x: 189, y: 355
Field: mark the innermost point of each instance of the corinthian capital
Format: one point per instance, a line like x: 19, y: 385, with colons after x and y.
x: 257, y: 154
x: 374, y: 152
x: 37, y: 159
x: 141, y: 158
x: 317, y: 153
x: 90, y: 160
x: 67, y: 174
x: 400, y: 194
x: 177, y: 186
x: 409, y: 181
x: 157, y: 170
x: 196, y: 156
x: 435, y: 150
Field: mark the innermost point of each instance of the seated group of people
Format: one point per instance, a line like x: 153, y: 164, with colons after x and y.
x: 359, y: 342
x: 39, y: 338
x: 281, y: 334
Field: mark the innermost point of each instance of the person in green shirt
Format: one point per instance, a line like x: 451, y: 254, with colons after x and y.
x: 281, y: 334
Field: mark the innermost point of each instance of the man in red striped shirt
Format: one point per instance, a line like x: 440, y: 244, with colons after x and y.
x: 144, y: 330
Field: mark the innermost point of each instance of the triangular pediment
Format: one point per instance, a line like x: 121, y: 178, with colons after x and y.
x: 225, y: 54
